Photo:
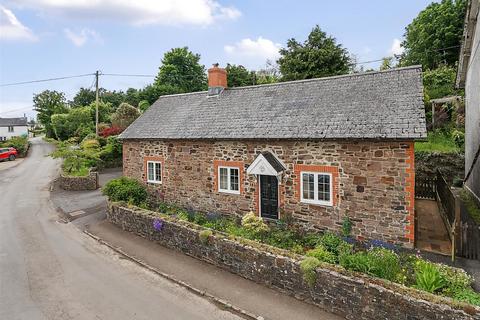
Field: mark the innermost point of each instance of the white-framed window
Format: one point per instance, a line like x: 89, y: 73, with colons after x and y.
x: 229, y: 179
x: 10, y: 129
x: 154, y: 171
x: 316, y: 188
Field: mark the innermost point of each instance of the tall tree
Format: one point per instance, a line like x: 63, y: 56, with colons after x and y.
x: 124, y: 115
x: 181, y: 69
x: 434, y: 36
x: 239, y: 76
x: 84, y: 97
x: 318, y: 56
x: 48, y: 103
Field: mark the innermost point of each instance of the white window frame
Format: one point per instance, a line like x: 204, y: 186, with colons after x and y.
x: 315, y: 188
x: 11, y: 129
x: 229, y: 190
x: 155, y: 163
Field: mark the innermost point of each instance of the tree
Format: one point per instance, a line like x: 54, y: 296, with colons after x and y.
x: 48, y: 103
x: 269, y: 74
x: 143, y: 105
x: 239, y: 76
x: 387, y: 63
x: 439, y: 82
x: 83, y: 98
x: 124, y: 115
x: 152, y: 92
x: 181, y: 69
x: 434, y: 36
x: 66, y: 125
x: 318, y: 56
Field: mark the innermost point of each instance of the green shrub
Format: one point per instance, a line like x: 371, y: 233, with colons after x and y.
x: 331, y: 242
x: 346, y: 227
x: 378, y: 262
x: 90, y: 144
x: 467, y: 295
x: 204, y: 236
x: 428, y: 277
x: 254, y: 224
x: 125, y: 189
x: 308, y: 267
x: 322, y: 255
x: 358, y: 261
x: 19, y: 143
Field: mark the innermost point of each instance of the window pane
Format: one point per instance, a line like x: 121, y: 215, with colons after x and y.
x: 151, y: 175
x: 234, y: 179
x: 323, y: 187
x: 308, y: 186
x: 158, y: 172
x: 224, y: 178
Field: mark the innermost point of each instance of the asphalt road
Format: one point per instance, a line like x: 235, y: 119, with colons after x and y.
x: 50, y: 270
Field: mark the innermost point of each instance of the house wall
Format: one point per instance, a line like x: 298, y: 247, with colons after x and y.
x: 17, y: 131
x: 472, y: 114
x: 374, y: 181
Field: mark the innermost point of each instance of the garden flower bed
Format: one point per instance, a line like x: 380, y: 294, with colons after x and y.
x: 344, y: 278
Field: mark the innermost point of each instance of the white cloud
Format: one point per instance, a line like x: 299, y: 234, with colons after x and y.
x: 260, y: 49
x: 139, y: 12
x: 81, y: 37
x: 12, y: 29
x: 396, y: 47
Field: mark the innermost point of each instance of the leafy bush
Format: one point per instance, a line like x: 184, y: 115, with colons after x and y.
x: 378, y: 262
x: 204, y: 236
x: 111, y: 131
x: 254, y: 224
x: 19, y: 143
x: 308, y: 267
x: 125, y: 189
x: 111, y: 153
x: 428, y: 277
x: 346, y: 227
x: 331, y: 242
x: 322, y: 255
x: 90, y: 144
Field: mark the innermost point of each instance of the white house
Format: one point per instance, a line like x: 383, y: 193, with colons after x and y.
x: 468, y: 77
x: 13, y: 127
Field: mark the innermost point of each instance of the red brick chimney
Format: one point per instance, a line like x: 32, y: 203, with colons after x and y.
x: 217, y: 79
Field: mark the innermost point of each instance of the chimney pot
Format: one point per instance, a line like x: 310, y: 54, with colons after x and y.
x: 217, y: 78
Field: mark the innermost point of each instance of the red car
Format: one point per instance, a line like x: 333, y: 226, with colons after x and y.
x: 8, y: 154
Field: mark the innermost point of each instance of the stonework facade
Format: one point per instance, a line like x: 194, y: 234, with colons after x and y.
x: 372, y: 181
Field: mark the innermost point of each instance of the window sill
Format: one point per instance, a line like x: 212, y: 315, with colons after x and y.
x: 229, y: 192
x: 317, y: 203
x: 154, y: 182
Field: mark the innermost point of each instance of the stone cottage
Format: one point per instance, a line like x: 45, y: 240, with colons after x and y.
x: 315, y: 151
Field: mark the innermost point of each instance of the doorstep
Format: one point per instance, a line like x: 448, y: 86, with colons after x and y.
x: 242, y: 293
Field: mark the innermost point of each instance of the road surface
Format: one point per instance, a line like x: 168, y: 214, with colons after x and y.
x: 50, y: 270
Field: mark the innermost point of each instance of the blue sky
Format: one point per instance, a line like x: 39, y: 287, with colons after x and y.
x: 52, y: 38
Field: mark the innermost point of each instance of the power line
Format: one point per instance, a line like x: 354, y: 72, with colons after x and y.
x: 127, y: 75
x: 15, y: 110
x: 45, y: 80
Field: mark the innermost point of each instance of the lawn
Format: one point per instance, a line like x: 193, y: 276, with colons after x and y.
x: 438, y: 142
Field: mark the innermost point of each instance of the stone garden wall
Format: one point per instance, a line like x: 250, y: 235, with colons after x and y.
x: 336, y: 290
x: 73, y: 183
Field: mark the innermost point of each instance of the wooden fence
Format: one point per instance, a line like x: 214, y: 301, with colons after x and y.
x: 468, y: 237
x: 464, y: 232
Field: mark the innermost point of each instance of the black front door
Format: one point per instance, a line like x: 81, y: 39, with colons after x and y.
x: 269, y: 197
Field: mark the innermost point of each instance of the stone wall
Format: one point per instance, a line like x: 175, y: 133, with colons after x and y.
x: 350, y: 295
x: 72, y: 183
x: 374, y: 182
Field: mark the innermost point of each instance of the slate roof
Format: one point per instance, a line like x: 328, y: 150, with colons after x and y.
x: 15, y: 122
x: 277, y: 165
x: 378, y: 105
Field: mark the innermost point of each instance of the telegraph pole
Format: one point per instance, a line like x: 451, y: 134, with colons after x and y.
x: 96, y: 103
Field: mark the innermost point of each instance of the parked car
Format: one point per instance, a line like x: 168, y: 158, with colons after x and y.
x: 8, y: 154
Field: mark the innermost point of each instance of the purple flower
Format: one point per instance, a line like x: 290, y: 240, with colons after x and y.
x: 157, y: 224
